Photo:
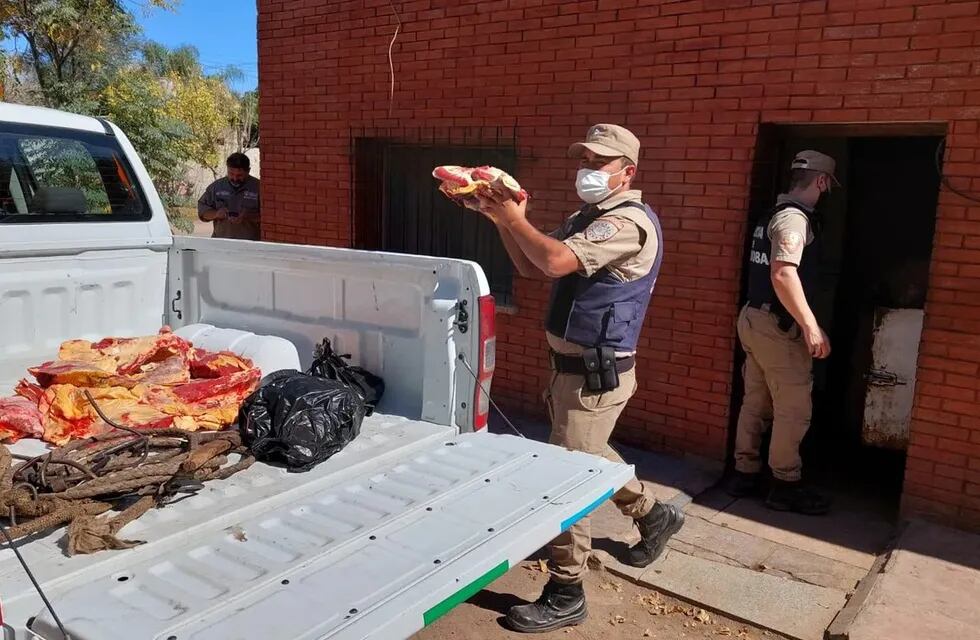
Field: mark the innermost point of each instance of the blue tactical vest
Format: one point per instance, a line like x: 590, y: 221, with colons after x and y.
x: 602, y: 310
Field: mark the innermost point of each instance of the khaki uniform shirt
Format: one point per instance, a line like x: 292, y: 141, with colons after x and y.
x: 623, y: 241
x: 789, y: 232
x: 221, y: 194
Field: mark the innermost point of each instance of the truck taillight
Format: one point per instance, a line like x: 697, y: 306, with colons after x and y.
x: 486, y: 361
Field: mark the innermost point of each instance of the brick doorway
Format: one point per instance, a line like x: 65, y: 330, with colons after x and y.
x: 875, y: 252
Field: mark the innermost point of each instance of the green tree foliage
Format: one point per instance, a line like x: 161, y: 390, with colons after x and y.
x: 87, y: 56
x: 136, y: 100
x: 247, y: 121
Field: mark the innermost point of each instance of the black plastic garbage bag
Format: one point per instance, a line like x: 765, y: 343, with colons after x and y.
x: 333, y: 366
x: 300, y: 420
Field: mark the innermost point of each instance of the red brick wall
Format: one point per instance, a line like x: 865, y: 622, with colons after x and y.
x: 693, y: 79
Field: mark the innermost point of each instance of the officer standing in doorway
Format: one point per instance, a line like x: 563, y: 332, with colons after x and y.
x: 781, y: 336
x: 604, y: 262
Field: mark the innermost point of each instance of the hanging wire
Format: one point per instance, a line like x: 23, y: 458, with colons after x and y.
x: 940, y: 150
x: 391, y: 62
x: 462, y: 358
x: 37, y: 585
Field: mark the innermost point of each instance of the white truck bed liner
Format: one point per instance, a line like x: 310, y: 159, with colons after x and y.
x: 344, y: 551
x: 220, y: 505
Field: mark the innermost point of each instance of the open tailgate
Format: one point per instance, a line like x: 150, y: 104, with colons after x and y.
x: 377, y: 555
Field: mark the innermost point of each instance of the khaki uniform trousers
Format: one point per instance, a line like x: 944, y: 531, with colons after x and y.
x: 583, y: 420
x: 778, y: 379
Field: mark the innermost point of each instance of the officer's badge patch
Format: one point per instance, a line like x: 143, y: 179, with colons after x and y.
x: 600, y: 230
x: 790, y: 241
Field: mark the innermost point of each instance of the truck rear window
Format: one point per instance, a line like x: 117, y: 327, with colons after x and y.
x: 50, y: 174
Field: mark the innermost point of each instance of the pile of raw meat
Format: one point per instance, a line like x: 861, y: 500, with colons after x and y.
x: 149, y: 382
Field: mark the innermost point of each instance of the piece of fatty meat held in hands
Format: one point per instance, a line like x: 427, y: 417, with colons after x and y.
x: 464, y: 184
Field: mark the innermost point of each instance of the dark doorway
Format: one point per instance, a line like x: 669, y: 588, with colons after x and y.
x: 398, y: 207
x: 874, y: 254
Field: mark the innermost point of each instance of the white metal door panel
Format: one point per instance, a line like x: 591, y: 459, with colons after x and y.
x: 891, y: 381
x: 379, y: 555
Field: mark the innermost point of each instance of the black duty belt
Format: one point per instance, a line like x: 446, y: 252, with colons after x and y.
x: 786, y: 321
x: 575, y: 365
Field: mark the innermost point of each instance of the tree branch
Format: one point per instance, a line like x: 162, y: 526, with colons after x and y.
x: 36, y: 60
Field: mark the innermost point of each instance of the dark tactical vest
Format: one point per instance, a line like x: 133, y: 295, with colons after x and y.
x: 601, y: 310
x: 761, y: 290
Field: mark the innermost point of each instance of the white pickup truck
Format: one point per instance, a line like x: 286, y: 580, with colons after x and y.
x: 420, y: 512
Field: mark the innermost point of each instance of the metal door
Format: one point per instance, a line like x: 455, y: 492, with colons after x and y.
x: 419, y: 220
x: 891, y: 380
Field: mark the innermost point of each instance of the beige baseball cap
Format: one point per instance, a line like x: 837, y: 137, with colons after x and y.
x: 609, y: 140
x: 815, y: 161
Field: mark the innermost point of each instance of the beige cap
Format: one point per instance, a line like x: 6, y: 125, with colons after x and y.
x: 815, y: 161
x: 609, y: 140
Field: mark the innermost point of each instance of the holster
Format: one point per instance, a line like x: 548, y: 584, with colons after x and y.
x: 600, y: 369
x: 785, y: 322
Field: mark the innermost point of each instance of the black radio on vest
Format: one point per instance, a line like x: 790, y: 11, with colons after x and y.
x: 761, y: 291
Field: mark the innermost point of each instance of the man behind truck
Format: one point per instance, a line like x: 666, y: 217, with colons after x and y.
x: 232, y: 202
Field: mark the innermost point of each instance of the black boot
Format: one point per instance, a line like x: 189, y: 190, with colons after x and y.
x: 741, y: 484
x: 560, y: 605
x: 796, y: 497
x: 656, y: 527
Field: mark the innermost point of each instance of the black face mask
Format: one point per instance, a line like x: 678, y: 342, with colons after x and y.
x: 817, y: 217
x: 822, y: 198
x: 816, y: 222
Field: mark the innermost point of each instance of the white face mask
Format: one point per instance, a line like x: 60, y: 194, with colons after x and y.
x: 592, y: 185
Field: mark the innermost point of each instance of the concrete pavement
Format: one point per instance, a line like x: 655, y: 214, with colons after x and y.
x: 788, y: 573
x: 929, y: 589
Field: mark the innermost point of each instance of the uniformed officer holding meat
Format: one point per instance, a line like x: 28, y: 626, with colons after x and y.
x: 781, y: 336
x: 604, y: 262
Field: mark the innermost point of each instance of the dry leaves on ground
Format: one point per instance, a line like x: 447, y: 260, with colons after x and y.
x: 611, y: 586
x: 702, y: 616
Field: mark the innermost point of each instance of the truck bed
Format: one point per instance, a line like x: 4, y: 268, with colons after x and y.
x: 377, y: 542
x: 220, y: 505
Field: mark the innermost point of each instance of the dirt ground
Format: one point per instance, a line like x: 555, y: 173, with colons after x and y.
x: 618, y: 609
